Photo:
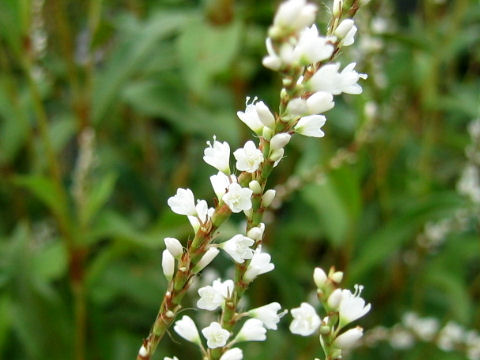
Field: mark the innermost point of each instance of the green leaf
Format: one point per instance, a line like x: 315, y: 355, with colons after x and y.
x: 97, y: 197
x: 51, y: 262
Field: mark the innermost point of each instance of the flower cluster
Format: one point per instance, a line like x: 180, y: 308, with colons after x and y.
x: 303, y: 57
x: 449, y: 337
x: 342, y: 308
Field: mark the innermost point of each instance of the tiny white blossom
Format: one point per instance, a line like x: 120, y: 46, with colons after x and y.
x: 268, y: 198
x: 210, y: 299
x: 346, y: 31
x: 328, y: 79
x: 272, y: 60
x: 204, y: 213
x: 206, y: 259
x: 293, y: 15
x: 312, y: 48
x: 451, y: 335
x: 280, y: 141
x: 174, y: 247
x: 224, y: 288
x: 168, y: 264
x: 319, y: 277
x: 352, y: 306
x: 237, y: 198
x: 268, y: 314
x: 305, y: 320
x: 311, y: 125
x: 186, y: 329
x: 297, y: 107
x: 169, y: 358
x: 320, y: 102
x: 265, y: 115
x: 254, y: 185
x: 218, y: 155
x: 216, y: 335
x: 256, y: 233
x: 239, y: 248
x: 248, y: 158
x: 143, y: 351
x: 335, y: 299
x: 424, y: 328
x: 260, y: 264
x: 349, y: 338
x: 221, y: 182
x: 276, y: 156
x: 251, y: 116
x: 337, y: 7
x: 252, y: 330
x: 232, y: 354
x: 183, y: 202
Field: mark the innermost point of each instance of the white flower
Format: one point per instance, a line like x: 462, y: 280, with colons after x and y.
x: 183, y: 202
x: 320, y: 102
x: 346, y: 31
x: 186, y: 329
x: 168, y: 264
x: 268, y: 198
x: 238, y: 247
x: 169, y: 358
x: 237, y: 198
x: 293, y: 15
x: 221, y: 182
x: 248, y: 158
x: 268, y: 315
x: 143, y: 351
x: 328, y: 79
x: 272, y: 60
x: 174, y: 247
x: 216, y: 335
x: 424, y: 328
x: 206, y: 259
x: 352, y: 306
x: 279, y: 141
x: 210, y: 299
x: 297, y: 107
x: 349, y: 338
x: 312, y: 48
x: 218, y: 155
x: 451, y: 335
x: 224, y: 288
x: 260, y: 264
x: 311, y: 125
x: 256, y: 233
x: 319, y: 277
x: 203, y: 214
x: 232, y: 354
x: 305, y: 320
x: 251, y: 116
x: 252, y: 330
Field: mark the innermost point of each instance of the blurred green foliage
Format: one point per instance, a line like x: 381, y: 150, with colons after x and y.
x: 80, y: 247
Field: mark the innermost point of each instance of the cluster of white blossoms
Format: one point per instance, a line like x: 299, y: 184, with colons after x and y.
x: 413, y: 328
x: 302, y: 56
x: 341, y: 306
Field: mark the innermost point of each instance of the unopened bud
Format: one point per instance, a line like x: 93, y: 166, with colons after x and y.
x: 335, y: 298
x: 267, y: 133
x: 268, y: 197
x: 343, y: 28
x: 277, y: 154
x: 206, y: 259
x: 254, y: 185
x: 325, y: 330
x: 337, y: 7
x: 319, y: 277
x: 168, y: 264
x: 265, y: 115
x: 336, y: 277
x: 279, y: 141
x: 174, y: 246
x: 256, y: 233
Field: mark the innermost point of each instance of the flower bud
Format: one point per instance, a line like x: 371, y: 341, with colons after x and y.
x: 268, y: 197
x: 320, y: 102
x: 319, y: 277
x: 265, y: 115
x: 168, y: 264
x: 343, y: 28
x: 276, y: 155
x: 267, y: 133
x: 337, y: 7
x: 206, y: 259
x: 254, y: 185
x: 256, y: 233
x: 336, y: 277
x: 174, y: 247
x: 279, y: 141
x: 349, y: 338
